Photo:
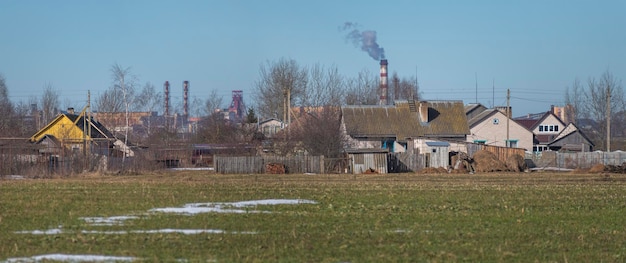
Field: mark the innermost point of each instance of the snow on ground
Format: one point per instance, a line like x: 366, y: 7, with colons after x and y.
x: 188, y: 209
x: 107, y: 221
x: 71, y: 258
x: 228, y: 207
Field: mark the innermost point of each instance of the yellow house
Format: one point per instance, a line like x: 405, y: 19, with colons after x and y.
x: 77, y: 133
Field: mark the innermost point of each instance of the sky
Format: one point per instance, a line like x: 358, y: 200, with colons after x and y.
x: 459, y: 50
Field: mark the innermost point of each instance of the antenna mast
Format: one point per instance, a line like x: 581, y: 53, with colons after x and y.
x: 476, y: 78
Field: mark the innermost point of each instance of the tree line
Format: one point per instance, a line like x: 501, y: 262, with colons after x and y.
x: 598, y: 107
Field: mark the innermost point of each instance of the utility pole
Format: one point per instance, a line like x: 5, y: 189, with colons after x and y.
x: 508, y: 115
x: 608, y: 118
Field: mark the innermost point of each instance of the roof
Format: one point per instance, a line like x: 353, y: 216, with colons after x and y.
x: 473, y: 109
x: 447, y: 118
x: 97, y: 129
x: 531, y: 121
x: 367, y: 150
x: 438, y: 144
x: 569, y: 132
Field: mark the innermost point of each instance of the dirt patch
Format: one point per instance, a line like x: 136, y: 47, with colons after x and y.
x: 433, y: 170
x: 598, y: 168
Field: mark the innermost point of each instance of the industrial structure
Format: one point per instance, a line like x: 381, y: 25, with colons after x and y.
x: 383, y: 83
x: 237, y: 109
x: 167, y: 98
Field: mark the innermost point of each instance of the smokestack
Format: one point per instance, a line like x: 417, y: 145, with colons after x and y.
x: 167, y: 98
x: 186, y: 98
x: 383, y: 83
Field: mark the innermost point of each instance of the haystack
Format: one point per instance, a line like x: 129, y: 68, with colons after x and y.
x: 485, y: 161
x: 516, y: 163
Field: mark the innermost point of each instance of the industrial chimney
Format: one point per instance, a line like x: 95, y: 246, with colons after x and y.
x: 383, y: 82
x: 186, y: 98
x: 167, y: 98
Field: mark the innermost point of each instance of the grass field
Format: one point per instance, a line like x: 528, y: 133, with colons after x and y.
x: 199, y: 217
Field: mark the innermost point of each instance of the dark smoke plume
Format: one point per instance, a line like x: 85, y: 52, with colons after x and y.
x: 366, y: 39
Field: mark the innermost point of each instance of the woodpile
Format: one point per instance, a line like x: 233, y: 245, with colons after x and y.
x: 275, y: 168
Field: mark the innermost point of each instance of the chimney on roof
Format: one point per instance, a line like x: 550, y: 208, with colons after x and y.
x: 70, y: 110
x: 423, y: 111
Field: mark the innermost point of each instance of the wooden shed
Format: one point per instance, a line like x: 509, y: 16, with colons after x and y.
x: 368, y: 160
x: 438, y: 154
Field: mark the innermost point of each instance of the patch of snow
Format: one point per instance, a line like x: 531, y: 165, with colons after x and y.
x: 15, y: 177
x: 226, y: 207
x: 123, y: 232
x: 53, y: 231
x: 71, y: 258
x: 107, y: 221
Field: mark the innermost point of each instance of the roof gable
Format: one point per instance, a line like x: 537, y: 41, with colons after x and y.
x: 571, y: 130
x: 81, y: 128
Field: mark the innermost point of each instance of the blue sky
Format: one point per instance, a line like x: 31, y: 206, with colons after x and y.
x: 534, y: 48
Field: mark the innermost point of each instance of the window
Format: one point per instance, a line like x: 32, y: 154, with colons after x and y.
x: 480, y: 141
x: 548, y: 128
x: 511, y: 143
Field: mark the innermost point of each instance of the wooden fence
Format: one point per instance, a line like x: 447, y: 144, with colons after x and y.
x: 502, y: 153
x: 256, y: 164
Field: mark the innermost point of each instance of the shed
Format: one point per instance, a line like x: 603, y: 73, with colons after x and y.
x: 438, y: 154
x: 363, y: 160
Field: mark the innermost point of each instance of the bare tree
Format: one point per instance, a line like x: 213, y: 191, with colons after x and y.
x: 281, y: 85
x: 363, y: 89
x: 324, y: 87
x: 49, y: 103
x: 8, y: 120
x: 319, y: 131
x: 405, y: 88
x: 124, y: 81
x: 213, y: 103
x: 575, y: 97
x: 604, y: 97
x: 148, y: 99
x: 110, y: 101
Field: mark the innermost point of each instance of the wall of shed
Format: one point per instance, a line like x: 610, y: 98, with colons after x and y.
x: 361, y: 162
x: 439, y: 156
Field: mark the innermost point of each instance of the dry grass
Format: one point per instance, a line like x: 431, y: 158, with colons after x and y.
x: 362, y: 218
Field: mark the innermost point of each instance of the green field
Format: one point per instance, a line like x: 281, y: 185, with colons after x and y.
x: 529, y: 217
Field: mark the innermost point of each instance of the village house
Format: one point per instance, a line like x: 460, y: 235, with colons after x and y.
x: 78, y: 134
x: 433, y: 128
x: 552, y: 134
x: 495, y: 127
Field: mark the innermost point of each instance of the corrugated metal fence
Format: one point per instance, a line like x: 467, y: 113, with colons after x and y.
x: 256, y: 164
